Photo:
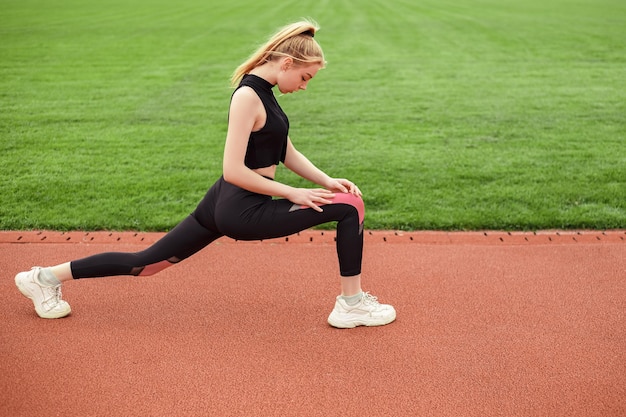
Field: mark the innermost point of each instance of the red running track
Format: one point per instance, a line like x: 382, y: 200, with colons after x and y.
x: 489, y: 324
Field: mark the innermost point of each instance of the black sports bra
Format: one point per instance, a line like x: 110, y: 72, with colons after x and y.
x: 267, y: 146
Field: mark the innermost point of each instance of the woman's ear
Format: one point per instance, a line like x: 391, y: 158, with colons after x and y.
x: 286, y: 64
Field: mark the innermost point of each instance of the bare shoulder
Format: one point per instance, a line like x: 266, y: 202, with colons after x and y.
x: 245, y: 96
x: 246, y: 109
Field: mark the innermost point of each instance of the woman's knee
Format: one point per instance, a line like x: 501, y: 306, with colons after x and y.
x: 354, y: 201
x: 154, y: 268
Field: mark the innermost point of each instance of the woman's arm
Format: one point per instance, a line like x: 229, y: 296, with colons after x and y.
x: 245, y: 115
x: 300, y: 164
x: 246, y: 111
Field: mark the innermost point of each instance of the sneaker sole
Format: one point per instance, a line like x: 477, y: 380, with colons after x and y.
x: 350, y: 324
x: 26, y: 293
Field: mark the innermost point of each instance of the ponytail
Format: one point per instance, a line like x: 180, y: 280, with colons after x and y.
x: 295, y: 41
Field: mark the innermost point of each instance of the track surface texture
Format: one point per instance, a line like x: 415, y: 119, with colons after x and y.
x: 489, y: 324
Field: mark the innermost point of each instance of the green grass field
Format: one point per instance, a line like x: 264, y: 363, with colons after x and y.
x: 464, y: 114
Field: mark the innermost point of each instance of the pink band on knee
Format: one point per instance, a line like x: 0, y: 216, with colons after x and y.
x: 353, y: 200
x: 343, y: 198
x: 154, y: 268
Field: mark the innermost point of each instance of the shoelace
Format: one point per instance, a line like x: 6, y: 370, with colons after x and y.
x: 370, y: 299
x: 55, y: 297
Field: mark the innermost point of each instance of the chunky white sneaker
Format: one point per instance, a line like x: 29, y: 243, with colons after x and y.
x: 47, y: 300
x: 368, y: 312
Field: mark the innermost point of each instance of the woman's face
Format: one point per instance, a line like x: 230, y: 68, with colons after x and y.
x: 293, y: 77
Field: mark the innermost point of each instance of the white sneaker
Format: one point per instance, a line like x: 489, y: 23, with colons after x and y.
x: 368, y: 312
x: 47, y: 300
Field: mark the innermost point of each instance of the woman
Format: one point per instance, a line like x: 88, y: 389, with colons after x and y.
x: 240, y: 203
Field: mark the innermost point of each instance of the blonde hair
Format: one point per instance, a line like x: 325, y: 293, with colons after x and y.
x: 294, y: 41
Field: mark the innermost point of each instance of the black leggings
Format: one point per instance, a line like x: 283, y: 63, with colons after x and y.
x: 228, y: 210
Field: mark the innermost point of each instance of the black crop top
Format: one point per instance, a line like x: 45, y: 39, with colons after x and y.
x: 267, y: 146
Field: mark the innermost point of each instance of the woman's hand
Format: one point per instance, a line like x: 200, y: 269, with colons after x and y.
x: 311, y: 197
x: 344, y: 186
